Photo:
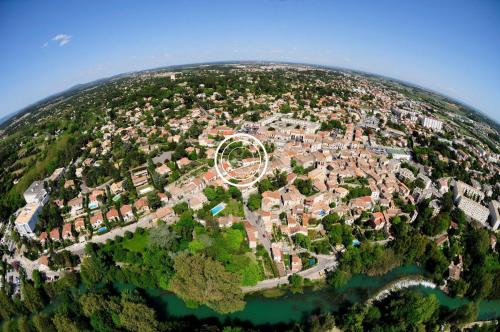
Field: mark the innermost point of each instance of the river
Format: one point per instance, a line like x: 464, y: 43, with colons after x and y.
x: 290, y: 308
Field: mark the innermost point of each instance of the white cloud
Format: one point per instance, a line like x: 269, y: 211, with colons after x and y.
x: 62, y: 39
x: 46, y: 44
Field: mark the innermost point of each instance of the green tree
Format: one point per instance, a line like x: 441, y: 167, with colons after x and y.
x: 42, y: 323
x: 7, y: 307
x: 296, y: 283
x: 32, y: 298
x: 64, y: 324
x: 202, y: 280
x: 137, y: 317
x: 254, y: 201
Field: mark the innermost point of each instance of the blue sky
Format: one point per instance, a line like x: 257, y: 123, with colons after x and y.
x: 449, y: 46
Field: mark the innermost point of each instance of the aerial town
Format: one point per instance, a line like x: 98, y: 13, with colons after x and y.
x: 364, y: 175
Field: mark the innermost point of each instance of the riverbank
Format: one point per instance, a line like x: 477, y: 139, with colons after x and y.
x: 281, y: 306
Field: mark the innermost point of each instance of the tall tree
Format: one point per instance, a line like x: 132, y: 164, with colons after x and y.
x: 202, y: 280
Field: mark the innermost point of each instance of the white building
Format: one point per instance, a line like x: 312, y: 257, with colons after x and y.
x: 406, y: 174
x: 36, y: 193
x: 27, y: 219
x: 494, y: 215
x: 473, y: 210
x: 463, y: 189
x: 432, y: 123
x: 399, y: 154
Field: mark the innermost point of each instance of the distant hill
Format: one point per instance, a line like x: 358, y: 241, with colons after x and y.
x: 6, y: 120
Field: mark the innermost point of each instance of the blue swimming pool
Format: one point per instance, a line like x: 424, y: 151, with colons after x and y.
x: 102, y: 230
x: 218, y: 208
x: 356, y: 242
x: 93, y: 205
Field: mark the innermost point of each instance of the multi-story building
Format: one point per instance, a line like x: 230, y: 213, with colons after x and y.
x: 473, y: 210
x: 463, y: 189
x: 494, y: 215
x: 432, y: 123
x: 36, y: 193
x: 27, y: 219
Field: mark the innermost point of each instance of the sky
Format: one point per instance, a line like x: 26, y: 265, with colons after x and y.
x: 452, y: 47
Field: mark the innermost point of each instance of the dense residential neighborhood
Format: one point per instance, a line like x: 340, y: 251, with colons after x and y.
x: 364, y: 175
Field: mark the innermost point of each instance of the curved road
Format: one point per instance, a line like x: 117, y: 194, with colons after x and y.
x: 325, y: 262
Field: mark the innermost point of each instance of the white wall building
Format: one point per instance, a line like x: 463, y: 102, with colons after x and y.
x: 432, y: 123
x: 27, y: 219
x: 494, y: 215
x: 36, y: 193
x: 473, y: 210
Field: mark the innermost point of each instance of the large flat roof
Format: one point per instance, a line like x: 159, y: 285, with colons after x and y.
x: 27, y: 213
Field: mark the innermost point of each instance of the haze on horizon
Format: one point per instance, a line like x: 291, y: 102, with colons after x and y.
x: 452, y: 47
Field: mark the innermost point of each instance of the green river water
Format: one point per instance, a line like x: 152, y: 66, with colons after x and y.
x: 290, y: 308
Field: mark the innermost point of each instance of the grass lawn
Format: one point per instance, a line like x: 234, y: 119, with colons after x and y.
x: 138, y: 243
x: 235, y: 208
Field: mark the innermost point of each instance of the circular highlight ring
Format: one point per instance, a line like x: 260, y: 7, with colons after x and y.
x: 242, y: 137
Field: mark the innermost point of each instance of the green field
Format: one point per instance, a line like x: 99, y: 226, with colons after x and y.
x: 138, y: 243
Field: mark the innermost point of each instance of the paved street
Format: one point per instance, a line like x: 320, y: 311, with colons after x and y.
x: 79, y: 248
x: 325, y: 262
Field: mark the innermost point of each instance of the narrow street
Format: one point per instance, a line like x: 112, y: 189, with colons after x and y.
x: 325, y: 262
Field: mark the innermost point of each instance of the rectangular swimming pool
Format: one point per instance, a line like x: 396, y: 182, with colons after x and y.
x: 218, y: 208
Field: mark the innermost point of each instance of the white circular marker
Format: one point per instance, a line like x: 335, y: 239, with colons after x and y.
x: 241, y: 137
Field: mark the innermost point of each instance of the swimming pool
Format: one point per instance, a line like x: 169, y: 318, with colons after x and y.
x: 356, y: 242
x: 218, y: 208
x: 102, y: 230
x: 93, y: 205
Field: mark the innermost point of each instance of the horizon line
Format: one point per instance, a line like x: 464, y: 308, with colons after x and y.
x: 12, y: 114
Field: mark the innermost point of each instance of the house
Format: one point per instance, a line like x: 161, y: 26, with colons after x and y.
x: 276, y: 252
x: 227, y: 221
x: 142, y: 205
x: 377, y: 220
x: 292, y: 197
x: 164, y: 213
x: 112, y: 215
x: 75, y: 205
x: 96, y: 220
x: 93, y: 198
x: 296, y: 263
x: 209, y: 177
x: 116, y: 187
x: 55, y: 235
x: 43, y: 261
x: 140, y: 180
x: 454, y: 270
x: 163, y: 197
x: 441, y: 240
x: 43, y: 238
x: 363, y: 203
x: 66, y: 232
x: 182, y: 163
x: 69, y: 184
x: 163, y: 170
x: 127, y: 213
x: 79, y: 225
x: 270, y: 199
x: 251, y: 234
x: 196, y: 202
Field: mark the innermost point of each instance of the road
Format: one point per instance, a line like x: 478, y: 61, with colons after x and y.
x: 325, y: 262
